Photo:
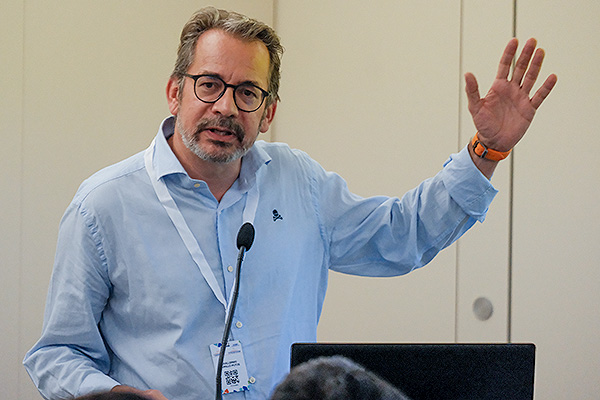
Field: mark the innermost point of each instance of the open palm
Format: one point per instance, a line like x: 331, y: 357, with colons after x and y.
x: 504, y: 114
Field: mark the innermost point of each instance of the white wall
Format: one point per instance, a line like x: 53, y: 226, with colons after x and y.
x: 556, y: 292
x: 82, y: 86
x: 536, y: 256
x: 11, y: 155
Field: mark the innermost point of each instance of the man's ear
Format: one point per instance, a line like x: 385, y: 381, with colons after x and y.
x: 173, y: 95
x: 269, y: 115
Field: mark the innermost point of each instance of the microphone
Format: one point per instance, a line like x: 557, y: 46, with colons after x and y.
x: 245, y: 238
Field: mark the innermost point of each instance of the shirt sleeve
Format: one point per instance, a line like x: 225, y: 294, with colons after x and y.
x: 383, y: 236
x: 70, y: 359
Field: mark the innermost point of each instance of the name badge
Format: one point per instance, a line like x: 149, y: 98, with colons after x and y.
x: 234, y: 377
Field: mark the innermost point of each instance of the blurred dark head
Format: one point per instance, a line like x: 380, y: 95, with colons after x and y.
x: 334, y: 378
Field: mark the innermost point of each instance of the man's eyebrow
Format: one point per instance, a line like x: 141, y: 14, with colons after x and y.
x: 253, y: 83
x: 217, y: 75
x: 249, y: 82
x: 208, y: 73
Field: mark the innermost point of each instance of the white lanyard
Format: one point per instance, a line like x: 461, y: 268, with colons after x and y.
x: 183, y: 229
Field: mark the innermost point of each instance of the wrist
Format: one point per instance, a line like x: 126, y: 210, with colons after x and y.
x: 484, y: 165
x: 482, y: 151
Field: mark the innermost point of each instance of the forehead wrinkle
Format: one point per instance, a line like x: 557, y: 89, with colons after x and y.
x: 232, y: 59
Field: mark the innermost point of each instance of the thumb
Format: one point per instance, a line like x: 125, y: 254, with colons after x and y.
x: 472, y: 91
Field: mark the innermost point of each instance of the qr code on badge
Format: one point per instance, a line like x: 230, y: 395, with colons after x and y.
x: 231, y: 377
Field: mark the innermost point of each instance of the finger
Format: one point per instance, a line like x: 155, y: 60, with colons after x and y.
x: 507, y: 58
x: 533, y: 71
x: 543, y: 92
x: 523, y: 61
x: 472, y: 90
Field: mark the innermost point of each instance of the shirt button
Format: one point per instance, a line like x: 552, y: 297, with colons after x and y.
x: 230, y: 268
x: 196, y: 185
x: 239, y: 324
x: 252, y: 379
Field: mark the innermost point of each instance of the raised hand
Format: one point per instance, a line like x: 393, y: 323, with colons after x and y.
x: 504, y: 114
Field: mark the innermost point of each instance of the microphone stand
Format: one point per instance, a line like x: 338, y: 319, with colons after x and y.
x: 230, y: 309
x: 244, y: 241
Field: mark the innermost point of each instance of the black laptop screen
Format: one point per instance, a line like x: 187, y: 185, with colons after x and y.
x: 440, y: 371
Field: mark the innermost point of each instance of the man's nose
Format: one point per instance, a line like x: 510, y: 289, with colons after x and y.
x: 226, y: 104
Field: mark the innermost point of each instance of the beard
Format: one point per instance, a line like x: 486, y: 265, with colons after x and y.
x: 221, y: 152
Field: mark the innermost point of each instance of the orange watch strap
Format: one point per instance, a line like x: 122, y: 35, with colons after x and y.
x: 482, y: 151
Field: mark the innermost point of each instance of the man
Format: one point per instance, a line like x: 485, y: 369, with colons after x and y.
x: 143, y: 275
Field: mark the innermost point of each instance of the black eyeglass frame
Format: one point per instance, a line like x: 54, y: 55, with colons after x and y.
x: 225, y: 86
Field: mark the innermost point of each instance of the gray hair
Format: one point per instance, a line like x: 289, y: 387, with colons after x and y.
x: 236, y: 24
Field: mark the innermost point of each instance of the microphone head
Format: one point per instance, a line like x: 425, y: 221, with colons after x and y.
x: 245, y: 236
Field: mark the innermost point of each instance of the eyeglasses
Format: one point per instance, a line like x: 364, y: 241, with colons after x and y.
x: 210, y: 88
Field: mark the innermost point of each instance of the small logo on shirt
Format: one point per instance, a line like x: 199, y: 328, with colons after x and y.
x: 276, y: 216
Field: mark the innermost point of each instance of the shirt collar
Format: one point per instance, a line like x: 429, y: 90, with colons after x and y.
x: 166, y: 163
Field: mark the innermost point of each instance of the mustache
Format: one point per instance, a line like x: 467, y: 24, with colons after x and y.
x: 228, y: 124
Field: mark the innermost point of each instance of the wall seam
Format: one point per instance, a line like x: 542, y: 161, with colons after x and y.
x: 510, y: 214
x: 20, y: 343
x: 458, y: 146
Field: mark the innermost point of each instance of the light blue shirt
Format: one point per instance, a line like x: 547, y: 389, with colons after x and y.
x: 127, y: 304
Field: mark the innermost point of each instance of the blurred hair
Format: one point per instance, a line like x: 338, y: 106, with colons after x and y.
x: 334, y: 378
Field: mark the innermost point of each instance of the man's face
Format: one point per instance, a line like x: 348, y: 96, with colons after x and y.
x: 220, y: 132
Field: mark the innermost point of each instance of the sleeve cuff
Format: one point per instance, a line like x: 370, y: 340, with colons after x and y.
x: 97, y: 382
x: 467, y: 186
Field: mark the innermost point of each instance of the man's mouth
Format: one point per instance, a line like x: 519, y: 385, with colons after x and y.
x: 222, y: 129
x: 221, y: 136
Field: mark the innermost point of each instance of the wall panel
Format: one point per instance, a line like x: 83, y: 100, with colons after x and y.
x: 372, y: 93
x: 556, y: 294
x: 483, y: 255
x: 11, y: 131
